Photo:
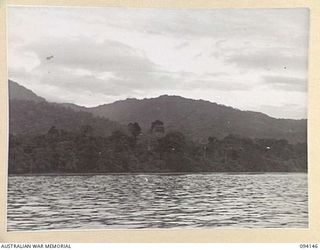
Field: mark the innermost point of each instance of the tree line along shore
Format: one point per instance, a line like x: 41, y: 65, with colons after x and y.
x: 153, y: 151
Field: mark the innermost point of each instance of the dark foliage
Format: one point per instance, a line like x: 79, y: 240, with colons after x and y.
x: 59, y: 151
x: 134, y: 129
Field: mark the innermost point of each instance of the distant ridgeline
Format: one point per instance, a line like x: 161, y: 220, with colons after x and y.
x: 55, y: 138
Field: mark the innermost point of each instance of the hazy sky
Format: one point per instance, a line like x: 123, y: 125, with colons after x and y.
x: 249, y: 59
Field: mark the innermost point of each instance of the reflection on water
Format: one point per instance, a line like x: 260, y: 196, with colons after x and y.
x: 157, y: 201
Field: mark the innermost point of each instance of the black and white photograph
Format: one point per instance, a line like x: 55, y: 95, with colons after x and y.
x: 157, y: 118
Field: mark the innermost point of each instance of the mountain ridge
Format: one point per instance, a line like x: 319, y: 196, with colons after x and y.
x: 200, y: 119
x: 81, y: 107
x: 197, y: 119
x: 185, y: 98
x: 33, y: 115
x: 19, y: 92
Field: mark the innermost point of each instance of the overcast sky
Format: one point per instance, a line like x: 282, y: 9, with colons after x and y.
x: 251, y: 59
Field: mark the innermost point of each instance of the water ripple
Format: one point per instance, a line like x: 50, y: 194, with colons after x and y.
x: 164, y: 201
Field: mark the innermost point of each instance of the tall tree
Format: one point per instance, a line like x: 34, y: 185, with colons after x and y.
x: 134, y: 129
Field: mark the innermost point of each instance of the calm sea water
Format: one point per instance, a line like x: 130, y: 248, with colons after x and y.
x: 157, y: 201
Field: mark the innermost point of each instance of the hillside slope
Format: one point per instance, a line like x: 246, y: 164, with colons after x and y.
x: 200, y: 119
x: 197, y: 119
x: 31, y: 114
x: 18, y: 92
x: 28, y: 117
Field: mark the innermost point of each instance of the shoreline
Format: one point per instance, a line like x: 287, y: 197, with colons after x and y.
x: 155, y: 173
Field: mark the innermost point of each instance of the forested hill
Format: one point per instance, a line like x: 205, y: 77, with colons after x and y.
x: 33, y: 115
x: 196, y: 119
x: 52, y: 138
x: 18, y: 92
x: 200, y: 119
x: 29, y: 117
